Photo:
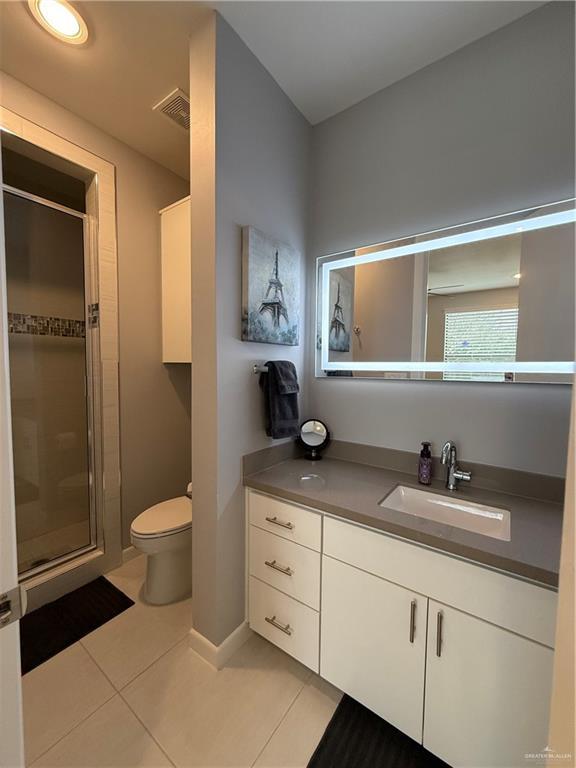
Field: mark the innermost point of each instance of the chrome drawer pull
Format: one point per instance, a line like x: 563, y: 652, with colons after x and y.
x: 273, y: 564
x: 439, y: 634
x: 275, y: 521
x: 412, y: 620
x: 286, y: 629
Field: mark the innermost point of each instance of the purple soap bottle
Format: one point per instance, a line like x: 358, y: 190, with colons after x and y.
x: 425, y: 465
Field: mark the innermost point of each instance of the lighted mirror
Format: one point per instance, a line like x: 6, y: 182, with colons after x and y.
x: 488, y: 301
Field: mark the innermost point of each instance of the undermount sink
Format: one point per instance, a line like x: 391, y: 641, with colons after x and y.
x: 450, y: 510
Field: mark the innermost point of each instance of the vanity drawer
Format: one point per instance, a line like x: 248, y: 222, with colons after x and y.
x: 286, y: 520
x: 287, y: 566
x: 509, y: 602
x: 291, y: 626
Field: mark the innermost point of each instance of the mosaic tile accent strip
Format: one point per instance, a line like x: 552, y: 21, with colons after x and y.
x: 38, y: 325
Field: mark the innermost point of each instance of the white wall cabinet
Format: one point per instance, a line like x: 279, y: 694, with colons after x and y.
x: 455, y: 655
x: 487, y: 692
x: 373, y: 643
x: 176, y: 282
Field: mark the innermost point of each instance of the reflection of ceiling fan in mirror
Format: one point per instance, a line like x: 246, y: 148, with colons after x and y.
x: 433, y: 291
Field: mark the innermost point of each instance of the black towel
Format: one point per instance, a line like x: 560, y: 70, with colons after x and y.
x: 280, y: 387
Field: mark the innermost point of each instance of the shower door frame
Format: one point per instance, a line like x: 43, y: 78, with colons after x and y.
x: 93, y: 404
x: 99, y: 176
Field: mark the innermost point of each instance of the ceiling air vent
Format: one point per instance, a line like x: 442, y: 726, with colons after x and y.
x: 176, y: 107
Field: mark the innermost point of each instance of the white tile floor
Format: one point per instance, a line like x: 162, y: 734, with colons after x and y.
x: 133, y: 693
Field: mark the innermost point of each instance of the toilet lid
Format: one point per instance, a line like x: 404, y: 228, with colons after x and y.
x: 169, y: 516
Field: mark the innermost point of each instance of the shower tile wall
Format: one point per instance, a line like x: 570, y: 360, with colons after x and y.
x: 45, y: 271
x: 36, y: 325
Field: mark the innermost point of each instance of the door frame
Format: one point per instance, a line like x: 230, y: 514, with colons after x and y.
x: 99, y: 177
x: 11, y: 721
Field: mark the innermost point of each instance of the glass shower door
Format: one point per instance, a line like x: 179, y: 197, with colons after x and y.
x: 46, y: 280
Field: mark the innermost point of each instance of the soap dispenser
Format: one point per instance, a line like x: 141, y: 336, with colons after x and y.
x: 425, y: 465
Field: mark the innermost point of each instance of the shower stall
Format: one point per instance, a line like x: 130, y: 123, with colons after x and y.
x: 49, y: 349
x: 54, y: 338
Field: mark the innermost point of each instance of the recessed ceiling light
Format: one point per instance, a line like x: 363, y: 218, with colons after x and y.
x: 517, y: 276
x: 60, y: 19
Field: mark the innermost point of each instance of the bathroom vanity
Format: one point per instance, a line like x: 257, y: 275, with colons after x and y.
x: 447, y: 634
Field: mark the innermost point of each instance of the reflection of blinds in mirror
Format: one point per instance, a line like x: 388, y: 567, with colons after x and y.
x: 480, y: 336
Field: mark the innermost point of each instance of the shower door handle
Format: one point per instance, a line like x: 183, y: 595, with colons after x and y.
x: 12, y: 605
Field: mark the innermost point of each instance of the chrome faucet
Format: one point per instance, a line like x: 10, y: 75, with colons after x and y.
x: 453, y: 473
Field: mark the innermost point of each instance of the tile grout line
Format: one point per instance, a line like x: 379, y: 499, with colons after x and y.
x: 98, y: 665
x: 119, y: 692
x: 164, y: 653
x: 141, y: 672
x: 136, y: 715
x: 116, y: 692
x: 65, y: 735
x: 118, y: 689
x: 162, y: 749
x: 284, y: 716
x: 154, y: 739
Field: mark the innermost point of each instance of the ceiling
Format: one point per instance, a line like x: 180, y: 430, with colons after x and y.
x: 137, y: 53
x: 480, y: 266
x: 325, y: 55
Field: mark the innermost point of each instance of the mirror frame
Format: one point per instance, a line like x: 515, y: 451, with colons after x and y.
x: 550, y: 215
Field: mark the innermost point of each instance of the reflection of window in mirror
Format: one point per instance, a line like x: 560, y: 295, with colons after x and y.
x: 473, y: 305
x: 510, y: 298
x: 479, y: 334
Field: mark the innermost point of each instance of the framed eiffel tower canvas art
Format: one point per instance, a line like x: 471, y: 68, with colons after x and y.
x: 270, y: 289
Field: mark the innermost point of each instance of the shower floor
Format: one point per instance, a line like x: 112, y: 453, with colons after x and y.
x: 48, y: 546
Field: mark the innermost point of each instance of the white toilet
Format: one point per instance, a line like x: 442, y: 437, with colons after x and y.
x: 164, y: 533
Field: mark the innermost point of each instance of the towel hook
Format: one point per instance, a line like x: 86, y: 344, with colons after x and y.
x: 256, y: 368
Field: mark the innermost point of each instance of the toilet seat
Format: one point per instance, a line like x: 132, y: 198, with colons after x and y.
x: 164, y: 519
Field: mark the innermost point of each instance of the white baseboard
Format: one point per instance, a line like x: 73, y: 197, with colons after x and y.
x: 130, y: 553
x: 218, y: 655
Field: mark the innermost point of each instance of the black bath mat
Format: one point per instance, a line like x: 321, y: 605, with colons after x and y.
x: 53, y: 627
x: 357, y: 738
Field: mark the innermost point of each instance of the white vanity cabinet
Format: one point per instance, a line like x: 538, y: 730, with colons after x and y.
x: 284, y: 543
x: 374, y: 643
x: 175, y: 249
x: 487, y: 692
x: 456, y: 655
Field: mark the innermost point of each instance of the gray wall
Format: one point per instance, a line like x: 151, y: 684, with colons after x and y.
x: 154, y: 399
x: 486, y: 130
x: 260, y: 179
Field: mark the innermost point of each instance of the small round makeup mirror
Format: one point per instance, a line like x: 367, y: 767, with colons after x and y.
x: 315, y: 436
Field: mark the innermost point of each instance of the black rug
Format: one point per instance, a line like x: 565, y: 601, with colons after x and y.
x: 53, y: 627
x: 357, y: 738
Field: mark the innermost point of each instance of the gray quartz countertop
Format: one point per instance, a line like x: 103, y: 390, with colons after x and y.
x: 353, y: 491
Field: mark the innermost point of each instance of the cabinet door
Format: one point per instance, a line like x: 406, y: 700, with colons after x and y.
x: 176, y: 283
x: 373, y: 643
x: 487, y: 692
